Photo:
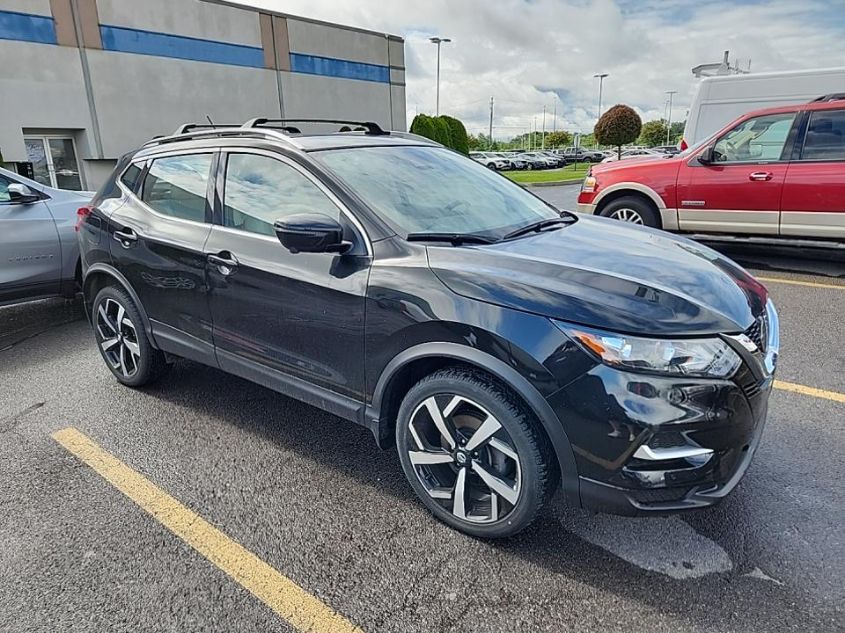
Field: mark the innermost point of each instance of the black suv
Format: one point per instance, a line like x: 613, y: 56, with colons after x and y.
x: 505, y: 348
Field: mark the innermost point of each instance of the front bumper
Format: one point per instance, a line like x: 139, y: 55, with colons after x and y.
x: 655, y: 444
x: 587, y: 208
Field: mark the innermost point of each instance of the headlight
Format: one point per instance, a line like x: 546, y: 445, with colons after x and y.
x: 709, y: 357
x: 589, y: 185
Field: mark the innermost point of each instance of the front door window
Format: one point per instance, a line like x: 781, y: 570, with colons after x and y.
x: 54, y: 162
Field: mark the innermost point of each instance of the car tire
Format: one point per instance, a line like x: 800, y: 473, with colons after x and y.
x: 631, y: 209
x: 507, y: 473
x: 122, y: 340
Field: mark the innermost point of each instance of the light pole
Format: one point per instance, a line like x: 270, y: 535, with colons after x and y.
x: 601, y: 77
x: 438, y: 41
x: 669, y: 116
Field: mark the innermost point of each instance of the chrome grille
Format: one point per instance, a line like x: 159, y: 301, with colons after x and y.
x: 759, y: 332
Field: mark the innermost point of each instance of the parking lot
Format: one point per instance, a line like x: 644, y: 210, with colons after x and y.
x: 289, y: 518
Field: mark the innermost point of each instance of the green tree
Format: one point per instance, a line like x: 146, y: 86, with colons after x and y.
x: 558, y: 139
x: 457, y: 134
x: 653, y: 133
x: 424, y: 126
x: 442, y: 133
x: 618, y: 126
x: 474, y: 142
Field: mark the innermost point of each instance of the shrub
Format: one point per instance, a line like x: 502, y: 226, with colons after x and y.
x: 457, y: 134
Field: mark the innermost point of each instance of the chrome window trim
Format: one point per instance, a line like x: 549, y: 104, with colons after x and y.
x: 227, y: 151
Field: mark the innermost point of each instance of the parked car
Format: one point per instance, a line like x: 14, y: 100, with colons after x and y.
x: 38, y: 245
x: 773, y: 172
x: 668, y: 149
x: 459, y: 317
x: 721, y: 99
x: 490, y: 160
x: 579, y: 154
x: 641, y: 152
x: 537, y: 160
x: 511, y: 160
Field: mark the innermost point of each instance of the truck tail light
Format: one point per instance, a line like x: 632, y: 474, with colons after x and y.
x: 81, y: 214
x: 684, y: 145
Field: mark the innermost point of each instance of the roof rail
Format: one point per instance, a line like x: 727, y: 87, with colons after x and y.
x: 220, y: 132
x: 836, y: 96
x: 373, y: 129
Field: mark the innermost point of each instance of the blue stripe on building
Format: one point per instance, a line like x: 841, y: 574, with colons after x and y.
x: 27, y: 27
x: 118, y: 38
x: 329, y: 67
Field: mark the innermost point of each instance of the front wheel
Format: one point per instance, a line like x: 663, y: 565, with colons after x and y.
x: 122, y: 341
x: 474, y: 455
x: 633, y: 210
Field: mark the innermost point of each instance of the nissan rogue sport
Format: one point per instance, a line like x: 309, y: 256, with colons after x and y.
x: 506, y: 349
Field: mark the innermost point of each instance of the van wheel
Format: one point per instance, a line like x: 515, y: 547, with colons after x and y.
x: 122, y: 341
x: 632, y: 209
x: 474, y: 455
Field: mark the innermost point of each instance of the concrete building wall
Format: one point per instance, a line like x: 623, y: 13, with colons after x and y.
x: 113, y: 73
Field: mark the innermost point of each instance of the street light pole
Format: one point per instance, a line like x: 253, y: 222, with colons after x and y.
x: 543, y: 142
x: 671, y: 93
x: 601, y: 77
x: 438, y: 41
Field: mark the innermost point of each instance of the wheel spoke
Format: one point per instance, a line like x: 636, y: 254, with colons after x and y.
x: 503, y: 448
x: 494, y: 506
x: 425, y: 457
x: 459, y: 495
x: 133, y: 347
x: 108, y: 344
x: 496, y: 485
x: 123, y: 368
x: 484, y: 433
x: 106, y: 320
x: 120, y: 314
x: 439, y: 422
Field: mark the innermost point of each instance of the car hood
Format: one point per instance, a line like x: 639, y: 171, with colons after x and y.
x: 611, y: 275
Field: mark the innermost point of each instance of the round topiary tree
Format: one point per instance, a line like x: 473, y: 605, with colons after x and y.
x: 457, y: 134
x: 423, y: 125
x: 618, y: 126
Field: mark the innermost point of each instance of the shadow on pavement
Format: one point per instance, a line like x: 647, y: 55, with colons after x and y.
x: 22, y: 321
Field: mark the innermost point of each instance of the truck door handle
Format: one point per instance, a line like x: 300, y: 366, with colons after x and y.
x: 225, y: 262
x: 760, y: 175
x: 126, y: 237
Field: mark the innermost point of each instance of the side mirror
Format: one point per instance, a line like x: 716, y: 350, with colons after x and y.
x: 706, y: 155
x: 311, y: 233
x: 21, y: 194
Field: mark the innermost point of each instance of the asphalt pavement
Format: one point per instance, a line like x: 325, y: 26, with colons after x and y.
x: 311, y: 496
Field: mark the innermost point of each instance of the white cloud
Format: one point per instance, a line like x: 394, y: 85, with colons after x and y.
x: 523, y: 51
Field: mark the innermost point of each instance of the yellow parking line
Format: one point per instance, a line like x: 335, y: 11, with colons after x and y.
x: 810, y: 391
x: 796, y: 282
x: 299, y: 608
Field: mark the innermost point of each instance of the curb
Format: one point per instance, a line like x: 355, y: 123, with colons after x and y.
x: 553, y: 183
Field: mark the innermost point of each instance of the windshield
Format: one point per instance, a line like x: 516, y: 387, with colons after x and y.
x: 435, y: 190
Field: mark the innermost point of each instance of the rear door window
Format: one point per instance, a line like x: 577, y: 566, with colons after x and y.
x: 825, y: 138
x: 177, y: 186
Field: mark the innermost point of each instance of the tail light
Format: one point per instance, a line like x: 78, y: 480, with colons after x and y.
x: 684, y: 145
x: 81, y: 214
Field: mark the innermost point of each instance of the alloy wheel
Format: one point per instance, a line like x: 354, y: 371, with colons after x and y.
x: 626, y: 214
x: 118, y: 338
x: 464, y: 458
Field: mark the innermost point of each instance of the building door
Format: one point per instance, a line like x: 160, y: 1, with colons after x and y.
x: 54, y: 161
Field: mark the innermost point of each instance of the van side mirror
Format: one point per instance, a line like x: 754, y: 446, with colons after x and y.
x: 706, y: 156
x: 311, y: 233
x: 21, y: 194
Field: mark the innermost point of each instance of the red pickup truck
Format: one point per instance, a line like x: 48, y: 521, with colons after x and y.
x: 775, y: 172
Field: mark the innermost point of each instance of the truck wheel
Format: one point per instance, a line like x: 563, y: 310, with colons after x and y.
x: 632, y: 209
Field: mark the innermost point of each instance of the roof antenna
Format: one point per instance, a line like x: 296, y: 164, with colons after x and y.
x: 210, y: 122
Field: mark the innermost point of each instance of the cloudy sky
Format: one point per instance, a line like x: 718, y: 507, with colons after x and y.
x: 531, y: 53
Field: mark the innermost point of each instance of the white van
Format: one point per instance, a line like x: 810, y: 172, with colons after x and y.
x: 722, y: 99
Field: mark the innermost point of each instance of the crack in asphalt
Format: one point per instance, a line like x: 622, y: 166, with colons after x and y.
x: 9, y: 423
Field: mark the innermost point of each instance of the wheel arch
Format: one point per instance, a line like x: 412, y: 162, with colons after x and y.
x: 100, y: 275
x: 668, y: 217
x: 412, y: 364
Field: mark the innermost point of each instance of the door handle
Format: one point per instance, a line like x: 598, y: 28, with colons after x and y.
x: 226, y: 262
x: 760, y: 175
x: 126, y: 237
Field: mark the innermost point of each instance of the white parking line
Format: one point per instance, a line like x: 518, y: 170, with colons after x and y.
x: 666, y: 545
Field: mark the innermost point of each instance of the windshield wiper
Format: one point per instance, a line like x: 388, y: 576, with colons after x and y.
x: 539, y: 225
x: 454, y: 238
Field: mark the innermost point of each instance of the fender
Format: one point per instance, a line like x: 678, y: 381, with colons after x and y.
x: 114, y: 273
x: 516, y: 381
x: 668, y: 217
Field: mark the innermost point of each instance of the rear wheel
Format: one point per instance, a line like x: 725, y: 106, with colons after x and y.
x: 632, y: 209
x: 122, y: 341
x: 475, y: 457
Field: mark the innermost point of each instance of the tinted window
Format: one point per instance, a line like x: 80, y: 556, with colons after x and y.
x: 431, y: 189
x: 176, y: 186
x: 130, y: 177
x: 4, y: 189
x: 825, y: 138
x: 755, y: 140
x: 261, y: 190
